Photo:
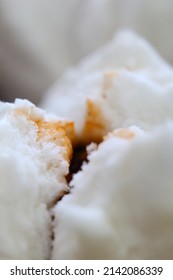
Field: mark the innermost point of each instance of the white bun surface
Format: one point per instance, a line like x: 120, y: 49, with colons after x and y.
x: 32, y: 175
x: 120, y: 205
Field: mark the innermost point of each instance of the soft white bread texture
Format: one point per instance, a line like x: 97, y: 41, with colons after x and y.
x: 124, y: 83
x: 120, y: 205
x: 34, y: 160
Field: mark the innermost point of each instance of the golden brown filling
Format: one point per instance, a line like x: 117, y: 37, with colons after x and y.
x: 123, y: 133
x: 61, y: 133
x: 95, y: 124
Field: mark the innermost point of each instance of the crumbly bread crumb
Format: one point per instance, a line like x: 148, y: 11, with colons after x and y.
x: 35, y: 154
x: 58, y: 132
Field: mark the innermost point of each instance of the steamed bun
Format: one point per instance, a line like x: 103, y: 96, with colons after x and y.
x: 120, y: 204
x: 34, y: 160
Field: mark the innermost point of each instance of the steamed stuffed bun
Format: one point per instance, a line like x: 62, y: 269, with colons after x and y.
x: 120, y: 204
x: 34, y: 159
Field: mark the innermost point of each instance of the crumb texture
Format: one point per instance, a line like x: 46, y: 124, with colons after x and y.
x: 120, y: 205
x: 34, y: 160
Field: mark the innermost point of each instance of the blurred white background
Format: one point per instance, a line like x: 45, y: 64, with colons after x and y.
x: 39, y: 39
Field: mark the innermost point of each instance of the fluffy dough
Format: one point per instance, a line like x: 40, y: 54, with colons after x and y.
x: 34, y: 160
x: 120, y: 205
